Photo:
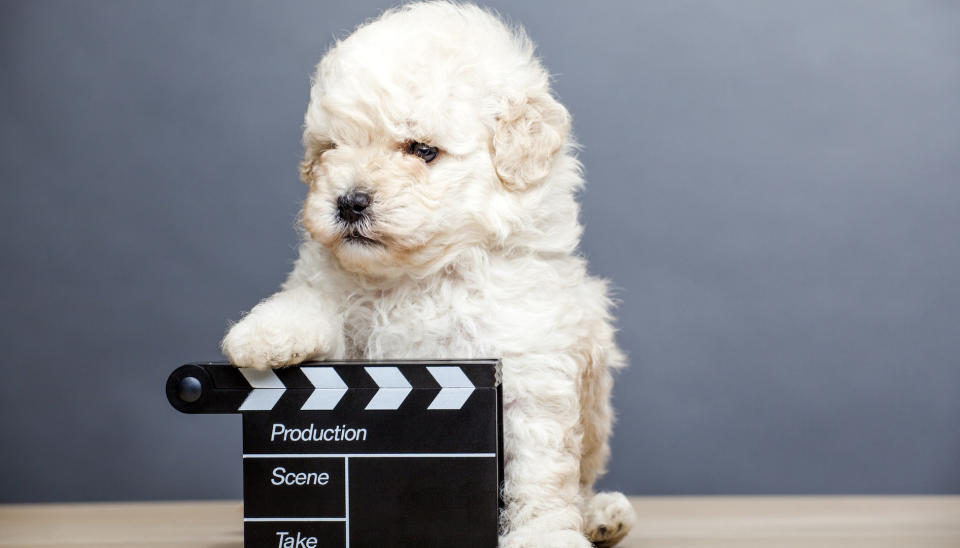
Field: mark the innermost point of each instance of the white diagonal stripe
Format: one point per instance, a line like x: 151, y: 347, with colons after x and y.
x: 261, y: 399
x: 450, y: 377
x: 455, y: 387
x: 323, y: 377
x: 262, y: 378
x: 267, y: 389
x: 394, y: 387
x: 388, y: 398
x: 330, y: 388
x: 324, y: 399
x: 451, y: 398
x: 387, y: 377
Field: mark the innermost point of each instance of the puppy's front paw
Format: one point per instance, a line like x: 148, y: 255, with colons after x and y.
x: 260, y: 344
x: 608, y: 518
x: 524, y: 538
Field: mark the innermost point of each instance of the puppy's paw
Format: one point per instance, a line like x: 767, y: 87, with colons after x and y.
x: 260, y: 344
x: 525, y: 538
x: 608, y: 518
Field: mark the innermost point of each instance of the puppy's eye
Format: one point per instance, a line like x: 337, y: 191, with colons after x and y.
x: 426, y: 152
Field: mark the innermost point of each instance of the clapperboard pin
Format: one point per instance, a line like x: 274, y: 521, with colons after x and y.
x: 362, y: 454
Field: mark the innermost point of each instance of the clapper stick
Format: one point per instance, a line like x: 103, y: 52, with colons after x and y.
x: 361, y: 454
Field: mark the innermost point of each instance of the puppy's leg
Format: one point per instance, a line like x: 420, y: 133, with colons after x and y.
x: 597, y: 419
x: 291, y: 326
x: 608, y: 517
x: 542, y: 440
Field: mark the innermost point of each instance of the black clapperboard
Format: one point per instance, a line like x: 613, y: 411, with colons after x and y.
x: 361, y: 454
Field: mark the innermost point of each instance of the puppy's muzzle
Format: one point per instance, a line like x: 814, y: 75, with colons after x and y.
x: 352, y: 207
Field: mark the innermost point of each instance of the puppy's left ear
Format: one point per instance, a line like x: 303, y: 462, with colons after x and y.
x: 529, y: 132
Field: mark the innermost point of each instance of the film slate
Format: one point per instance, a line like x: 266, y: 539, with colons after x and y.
x: 361, y: 454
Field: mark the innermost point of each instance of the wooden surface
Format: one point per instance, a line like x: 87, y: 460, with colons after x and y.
x: 689, y: 522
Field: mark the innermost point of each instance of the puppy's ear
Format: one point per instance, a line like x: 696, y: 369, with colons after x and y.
x: 528, y: 134
x: 313, y: 148
x: 310, y: 158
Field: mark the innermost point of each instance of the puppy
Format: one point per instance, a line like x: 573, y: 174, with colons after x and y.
x: 441, y: 222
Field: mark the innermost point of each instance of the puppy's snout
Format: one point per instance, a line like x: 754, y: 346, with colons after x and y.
x: 352, y: 206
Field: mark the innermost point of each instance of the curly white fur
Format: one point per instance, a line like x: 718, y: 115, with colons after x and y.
x: 475, y: 252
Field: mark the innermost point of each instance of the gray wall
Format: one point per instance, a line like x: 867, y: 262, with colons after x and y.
x: 773, y: 187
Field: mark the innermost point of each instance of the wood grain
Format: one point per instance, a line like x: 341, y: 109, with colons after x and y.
x: 665, y: 522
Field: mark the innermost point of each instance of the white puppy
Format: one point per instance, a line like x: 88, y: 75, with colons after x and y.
x: 441, y: 222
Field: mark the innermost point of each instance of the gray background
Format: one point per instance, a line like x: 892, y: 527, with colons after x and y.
x: 773, y: 186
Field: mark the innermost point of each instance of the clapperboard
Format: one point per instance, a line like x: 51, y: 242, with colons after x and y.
x: 361, y: 454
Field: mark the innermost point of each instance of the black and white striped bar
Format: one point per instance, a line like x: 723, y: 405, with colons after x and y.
x: 385, y: 386
x: 360, y: 454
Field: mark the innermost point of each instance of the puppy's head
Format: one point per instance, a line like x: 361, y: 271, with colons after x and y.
x: 430, y: 131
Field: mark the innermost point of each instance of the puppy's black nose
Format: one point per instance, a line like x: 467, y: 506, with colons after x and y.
x: 352, y: 205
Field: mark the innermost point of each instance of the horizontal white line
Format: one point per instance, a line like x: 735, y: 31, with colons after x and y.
x: 354, y: 455
x: 294, y: 519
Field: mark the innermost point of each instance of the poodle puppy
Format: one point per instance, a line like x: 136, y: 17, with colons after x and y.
x: 441, y: 222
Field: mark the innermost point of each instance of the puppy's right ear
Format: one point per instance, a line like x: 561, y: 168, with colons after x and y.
x: 312, y: 149
x: 528, y: 134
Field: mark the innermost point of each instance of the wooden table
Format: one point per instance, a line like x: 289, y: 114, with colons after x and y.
x: 689, y: 522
